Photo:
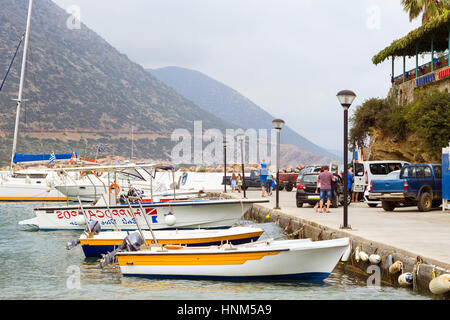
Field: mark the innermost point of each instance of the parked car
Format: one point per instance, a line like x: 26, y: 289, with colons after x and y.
x: 418, y: 185
x: 306, y: 190
x: 366, y: 171
x: 372, y: 202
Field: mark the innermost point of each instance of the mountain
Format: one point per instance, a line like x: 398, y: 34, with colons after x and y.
x: 81, y: 91
x: 230, y: 105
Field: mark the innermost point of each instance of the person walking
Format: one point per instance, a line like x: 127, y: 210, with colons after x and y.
x: 350, y: 180
x: 263, y: 172
x: 233, y: 182
x: 239, y: 183
x: 269, y: 184
x: 316, y: 207
x: 325, y: 179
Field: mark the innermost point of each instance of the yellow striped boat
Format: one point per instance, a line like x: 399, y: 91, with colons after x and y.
x: 106, y: 241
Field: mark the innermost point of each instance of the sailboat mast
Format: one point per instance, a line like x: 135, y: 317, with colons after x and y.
x: 22, y: 79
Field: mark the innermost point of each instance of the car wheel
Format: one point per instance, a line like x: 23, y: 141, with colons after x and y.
x: 299, y: 204
x: 349, y: 199
x: 289, y: 187
x: 372, y: 205
x: 335, y: 202
x: 388, y: 205
x: 425, y: 202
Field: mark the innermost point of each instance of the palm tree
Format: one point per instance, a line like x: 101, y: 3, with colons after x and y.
x: 429, y: 8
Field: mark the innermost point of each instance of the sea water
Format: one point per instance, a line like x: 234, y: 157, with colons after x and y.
x: 36, y: 265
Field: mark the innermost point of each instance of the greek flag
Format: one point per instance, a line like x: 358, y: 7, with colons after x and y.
x: 52, y: 158
x: 100, y: 148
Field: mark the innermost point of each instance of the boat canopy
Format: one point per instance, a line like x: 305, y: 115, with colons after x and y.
x: 18, y: 157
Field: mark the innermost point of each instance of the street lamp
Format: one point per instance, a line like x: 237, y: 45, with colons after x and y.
x: 241, y: 137
x: 346, y: 98
x: 278, y: 125
x: 225, y: 164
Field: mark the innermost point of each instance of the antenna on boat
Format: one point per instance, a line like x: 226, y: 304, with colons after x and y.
x: 22, y: 77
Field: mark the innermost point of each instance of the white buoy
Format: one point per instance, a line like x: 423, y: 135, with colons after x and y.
x: 374, y: 259
x: 79, y: 219
x: 170, y: 219
x: 357, y: 251
x: 405, y: 279
x: 347, y: 253
x: 441, y: 284
x: 397, y: 266
x: 364, y: 256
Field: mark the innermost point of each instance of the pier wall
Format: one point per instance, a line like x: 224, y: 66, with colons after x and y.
x: 298, y: 228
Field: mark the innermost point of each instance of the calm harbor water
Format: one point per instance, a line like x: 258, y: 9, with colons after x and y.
x: 36, y: 265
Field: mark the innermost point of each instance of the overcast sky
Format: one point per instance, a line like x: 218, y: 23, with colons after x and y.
x: 290, y: 57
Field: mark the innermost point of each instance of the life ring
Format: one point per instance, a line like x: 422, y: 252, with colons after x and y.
x: 98, y: 174
x: 82, y: 174
x: 114, y: 185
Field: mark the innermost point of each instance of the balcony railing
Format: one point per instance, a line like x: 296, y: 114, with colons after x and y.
x: 439, y: 63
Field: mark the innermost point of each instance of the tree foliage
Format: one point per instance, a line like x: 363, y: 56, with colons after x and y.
x: 427, y: 118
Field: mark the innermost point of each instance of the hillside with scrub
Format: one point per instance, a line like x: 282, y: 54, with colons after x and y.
x: 414, y: 132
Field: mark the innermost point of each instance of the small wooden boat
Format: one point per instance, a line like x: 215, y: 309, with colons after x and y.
x: 283, y: 259
x: 107, y: 241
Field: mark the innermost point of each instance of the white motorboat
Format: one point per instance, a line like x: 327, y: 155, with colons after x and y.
x: 95, y: 245
x: 30, y: 185
x: 283, y: 259
x: 183, y: 214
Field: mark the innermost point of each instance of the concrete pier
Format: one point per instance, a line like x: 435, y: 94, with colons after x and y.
x: 420, y: 240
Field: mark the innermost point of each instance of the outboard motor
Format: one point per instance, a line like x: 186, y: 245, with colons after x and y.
x: 92, y: 226
x: 132, y: 242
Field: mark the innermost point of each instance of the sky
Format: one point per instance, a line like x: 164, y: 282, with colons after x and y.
x: 290, y: 57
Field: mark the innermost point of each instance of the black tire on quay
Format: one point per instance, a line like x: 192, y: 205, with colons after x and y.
x: 425, y: 202
x: 299, y: 204
x: 388, y: 205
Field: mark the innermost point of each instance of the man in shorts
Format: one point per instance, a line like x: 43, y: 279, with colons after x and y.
x: 263, y: 172
x: 325, y: 179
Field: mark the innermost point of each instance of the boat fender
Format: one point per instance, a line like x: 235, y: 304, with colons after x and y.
x: 357, y: 251
x: 441, y: 284
x: 170, y: 219
x: 389, y: 261
x: 347, y: 252
x: 268, y: 216
x: 48, y: 190
x: 374, y: 259
x: 80, y: 220
x: 405, y: 279
x: 364, y: 256
x: 397, y: 266
x: 184, y: 178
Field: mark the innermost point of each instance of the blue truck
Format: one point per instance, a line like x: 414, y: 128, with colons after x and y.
x: 418, y: 185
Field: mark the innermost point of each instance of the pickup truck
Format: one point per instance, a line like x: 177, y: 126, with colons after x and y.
x: 418, y: 185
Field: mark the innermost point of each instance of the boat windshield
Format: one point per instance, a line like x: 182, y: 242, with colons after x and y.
x: 131, y: 174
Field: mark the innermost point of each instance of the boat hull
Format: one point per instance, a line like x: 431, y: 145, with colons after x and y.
x: 288, y: 259
x: 107, y: 241
x: 188, y: 215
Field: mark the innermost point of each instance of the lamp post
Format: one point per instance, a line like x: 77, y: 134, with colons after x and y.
x: 278, y: 125
x: 241, y: 138
x: 346, y: 98
x: 224, y: 164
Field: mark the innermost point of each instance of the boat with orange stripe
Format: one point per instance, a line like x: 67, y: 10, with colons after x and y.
x: 104, y: 242
x: 280, y: 259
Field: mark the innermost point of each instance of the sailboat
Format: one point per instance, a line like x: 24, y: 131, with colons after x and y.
x: 30, y: 184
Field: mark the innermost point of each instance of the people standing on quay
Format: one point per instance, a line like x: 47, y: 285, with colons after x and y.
x: 325, y: 179
x: 233, y: 182
x: 263, y: 172
x: 239, y: 183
